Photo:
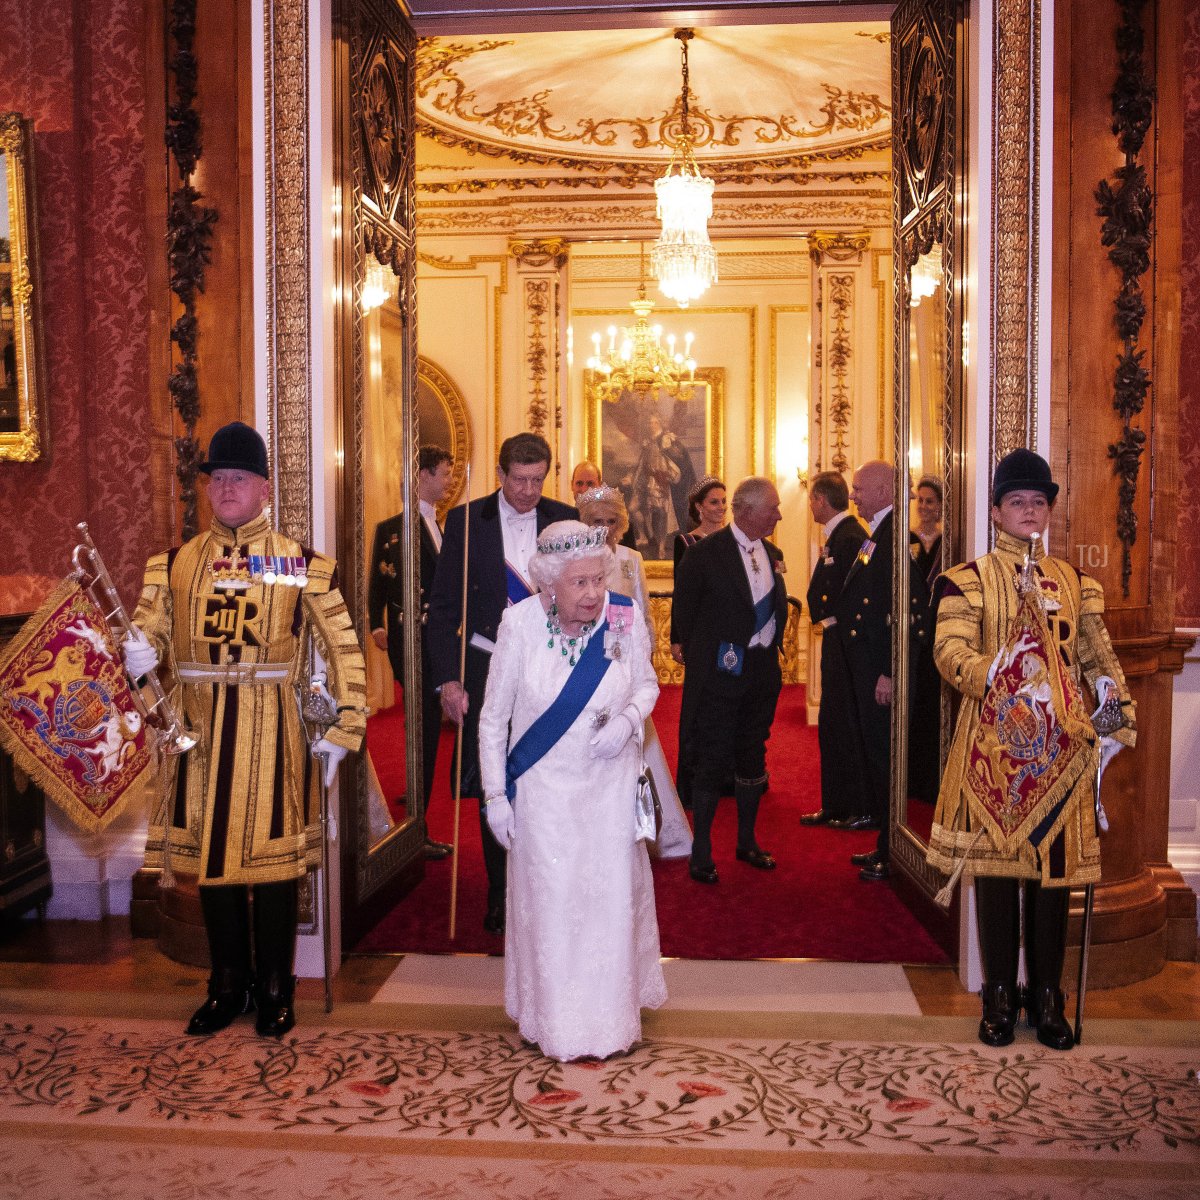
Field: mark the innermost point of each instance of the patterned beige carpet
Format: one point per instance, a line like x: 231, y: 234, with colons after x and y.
x: 375, y: 1101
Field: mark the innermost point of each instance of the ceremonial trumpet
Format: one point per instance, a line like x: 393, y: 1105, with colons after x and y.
x: 94, y: 578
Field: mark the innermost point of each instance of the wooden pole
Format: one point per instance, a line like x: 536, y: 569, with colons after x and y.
x: 462, y: 683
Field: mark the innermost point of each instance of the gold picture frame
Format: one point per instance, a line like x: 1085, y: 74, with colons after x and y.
x: 443, y: 421
x: 688, y: 442
x: 24, y: 432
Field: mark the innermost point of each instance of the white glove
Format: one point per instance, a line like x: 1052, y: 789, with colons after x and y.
x: 140, y: 657
x: 1109, y: 749
x: 501, y: 820
x: 610, y: 741
x: 329, y: 754
x: 991, y: 675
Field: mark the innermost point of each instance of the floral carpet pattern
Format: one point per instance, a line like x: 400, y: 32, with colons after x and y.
x: 884, y: 1098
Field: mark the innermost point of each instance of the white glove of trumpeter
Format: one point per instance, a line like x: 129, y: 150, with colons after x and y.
x: 501, y: 820
x: 610, y: 740
x: 329, y: 754
x: 140, y: 657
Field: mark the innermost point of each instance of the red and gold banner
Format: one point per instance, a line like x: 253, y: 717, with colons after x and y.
x: 1034, y: 738
x: 67, y: 713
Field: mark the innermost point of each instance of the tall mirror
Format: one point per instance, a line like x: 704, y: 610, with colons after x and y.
x: 382, y: 816
x: 928, y: 162
x: 23, y: 429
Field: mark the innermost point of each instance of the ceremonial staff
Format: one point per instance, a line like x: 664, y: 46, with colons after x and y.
x: 462, y: 683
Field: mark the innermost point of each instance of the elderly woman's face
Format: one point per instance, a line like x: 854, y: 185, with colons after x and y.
x: 610, y: 521
x: 579, y: 591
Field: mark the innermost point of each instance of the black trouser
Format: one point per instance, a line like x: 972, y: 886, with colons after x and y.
x: 842, y: 781
x: 997, y: 905
x: 227, y: 924
x: 731, y: 732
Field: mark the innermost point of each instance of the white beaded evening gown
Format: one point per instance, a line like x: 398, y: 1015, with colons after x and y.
x: 581, y: 935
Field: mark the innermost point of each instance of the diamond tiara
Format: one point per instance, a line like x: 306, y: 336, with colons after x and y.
x: 592, y: 539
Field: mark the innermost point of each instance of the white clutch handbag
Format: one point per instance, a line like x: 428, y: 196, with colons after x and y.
x: 647, y: 811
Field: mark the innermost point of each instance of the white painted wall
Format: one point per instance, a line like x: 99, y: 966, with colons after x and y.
x: 1183, y: 844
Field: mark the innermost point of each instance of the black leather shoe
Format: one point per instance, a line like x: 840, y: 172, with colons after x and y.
x: 757, y: 858
x: 703, y: 874
x: 839, y: 822
x: 1001, y: 1008
x: 276, y: 1014
x: 859, y: 823
x: 437, y: 850
x: 867, y: 859
x: 820, y: 817
x: 874, y: 872
x: 219, y: 1011
x: 1045, y: 1012
x: 493, y: 922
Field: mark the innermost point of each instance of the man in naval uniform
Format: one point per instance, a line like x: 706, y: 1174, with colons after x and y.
x: 976, y: 604
x: 842, y: 537
x: 503, y: 538
x: 728, y: 615
x: 233, y: 613
x: 385, y: 605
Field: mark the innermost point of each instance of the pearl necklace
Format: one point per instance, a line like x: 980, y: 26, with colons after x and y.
x: 569, y: 646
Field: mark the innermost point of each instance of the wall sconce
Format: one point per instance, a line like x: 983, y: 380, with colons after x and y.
x: 802, y: 467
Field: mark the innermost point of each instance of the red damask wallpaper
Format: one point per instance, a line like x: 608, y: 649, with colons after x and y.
x: 1187, y: 610
x: 78, y: 70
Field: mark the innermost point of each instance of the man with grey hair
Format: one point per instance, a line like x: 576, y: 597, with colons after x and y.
x: 727, y: 620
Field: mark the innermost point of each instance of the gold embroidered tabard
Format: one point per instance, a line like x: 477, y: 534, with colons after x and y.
x: 974, y: 619
x: 244, y: 804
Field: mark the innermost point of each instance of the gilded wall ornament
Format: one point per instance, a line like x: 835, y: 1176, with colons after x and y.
x: 537, y: 350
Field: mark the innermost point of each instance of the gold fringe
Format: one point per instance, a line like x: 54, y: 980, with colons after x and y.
x: 946, y: 893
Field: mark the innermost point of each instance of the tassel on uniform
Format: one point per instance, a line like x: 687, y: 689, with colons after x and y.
x: 946, y: 893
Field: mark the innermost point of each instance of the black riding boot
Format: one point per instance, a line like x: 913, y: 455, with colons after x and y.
x: 998, y: 919
x: 1045, y: 949
x: 704, y: 809
x: 274, y: 953
x: 748, y: 796
x: 227, y: 923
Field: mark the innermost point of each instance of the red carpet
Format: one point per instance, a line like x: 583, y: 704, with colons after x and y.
x: 813, y: 906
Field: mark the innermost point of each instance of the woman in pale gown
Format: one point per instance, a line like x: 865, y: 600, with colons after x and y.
x: 606, y: 506
x: 581, y: 956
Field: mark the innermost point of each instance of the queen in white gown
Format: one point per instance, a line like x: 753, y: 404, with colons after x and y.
x: 605, y: 506
x: 581, y: 946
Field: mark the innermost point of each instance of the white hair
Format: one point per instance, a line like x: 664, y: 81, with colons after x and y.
x: 563, y: 543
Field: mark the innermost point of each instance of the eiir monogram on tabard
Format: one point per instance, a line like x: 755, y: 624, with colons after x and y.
x: 229, y: 620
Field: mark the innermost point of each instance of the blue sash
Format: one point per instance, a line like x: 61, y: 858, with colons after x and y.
x: 518, y: 589
x: 764, y: 610
x: 537, y: 741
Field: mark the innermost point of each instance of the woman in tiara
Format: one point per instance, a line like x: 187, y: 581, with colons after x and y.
x: 706, y: 511
x: 605, y: 506
x: 568, y: 694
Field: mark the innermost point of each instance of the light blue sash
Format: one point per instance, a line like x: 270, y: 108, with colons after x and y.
x: 537, y: 741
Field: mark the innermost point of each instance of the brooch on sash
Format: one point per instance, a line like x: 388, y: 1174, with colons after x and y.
x: 616, y: 636
x: 730, y: 658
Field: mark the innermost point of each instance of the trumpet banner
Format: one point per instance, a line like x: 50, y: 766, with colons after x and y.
x: 67, y: 713
x: 1034, y: 739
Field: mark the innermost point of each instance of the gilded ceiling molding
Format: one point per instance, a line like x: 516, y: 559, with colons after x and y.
x: 289, y: 368
x: 1127, y: 206
x: 757, y: 174
x: 640, y: 173
x: 1016, y: 146
x: 756, y: 214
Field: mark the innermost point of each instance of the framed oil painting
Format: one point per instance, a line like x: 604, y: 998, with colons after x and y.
x: 654, y: 447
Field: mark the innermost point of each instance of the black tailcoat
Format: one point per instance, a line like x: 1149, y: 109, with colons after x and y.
x: 842, y: 788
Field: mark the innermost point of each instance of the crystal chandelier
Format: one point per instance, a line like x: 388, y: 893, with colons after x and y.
x: 640, y: 361
x: 683, y: 259
x: 377, y: 284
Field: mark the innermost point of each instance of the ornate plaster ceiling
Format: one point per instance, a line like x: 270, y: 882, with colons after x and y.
x: 536, y: 131
x: 611, y: 96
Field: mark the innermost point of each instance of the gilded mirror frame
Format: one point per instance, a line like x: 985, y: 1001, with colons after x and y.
x: 929, y: 162
x: 435, y: 386
x: 20, y: 293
